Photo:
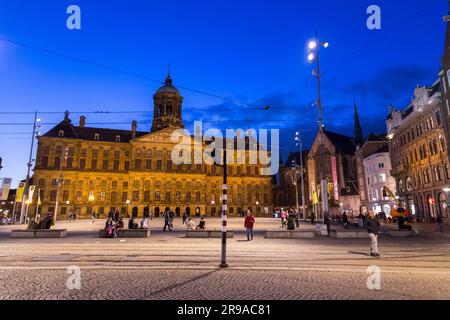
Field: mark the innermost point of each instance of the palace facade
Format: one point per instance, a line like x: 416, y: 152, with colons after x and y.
x: 132, y: 171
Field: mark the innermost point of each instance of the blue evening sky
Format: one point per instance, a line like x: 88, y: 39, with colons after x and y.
x: 251, y: 51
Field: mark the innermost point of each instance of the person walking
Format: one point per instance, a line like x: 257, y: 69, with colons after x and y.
x: 167, y: 222
x: 345, y: 220
x: 327, y: 221
x: 184, y: 218
x: 439, y: 223
x: 116, y: 216
x: 249, y: 224
x: 94, y: 215
x: 373, y: 228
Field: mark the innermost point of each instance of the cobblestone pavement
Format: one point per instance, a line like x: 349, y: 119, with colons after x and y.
x: 169, y: 266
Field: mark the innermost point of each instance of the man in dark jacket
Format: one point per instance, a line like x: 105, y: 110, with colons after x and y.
x: 373, y: 227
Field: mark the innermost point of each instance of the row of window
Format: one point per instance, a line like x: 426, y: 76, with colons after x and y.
x: 414, y: 156
x: 379, y: 178
x: 417, y: 132
x: 424, y: 177
x: 148, y: 165
x: 136, y: 184
x: 168, y: 197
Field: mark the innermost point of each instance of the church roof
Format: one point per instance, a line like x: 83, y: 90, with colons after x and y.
x: 342, y: 143
x: 294, y: 157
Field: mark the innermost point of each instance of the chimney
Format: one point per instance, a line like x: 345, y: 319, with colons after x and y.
x: 82, y: 122
x: 133, y: 128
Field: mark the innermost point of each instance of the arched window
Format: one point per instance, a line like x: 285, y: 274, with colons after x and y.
x: 409, y: 186
x: 117, y: 138
x: 442, y: 143
x: 96, y: 137
x: 437, y: 173
x: 61, y: 133
x: 401, y: 185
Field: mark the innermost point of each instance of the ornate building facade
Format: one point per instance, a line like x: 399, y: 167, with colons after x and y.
x: 132, y: 171
x: 419, y: 154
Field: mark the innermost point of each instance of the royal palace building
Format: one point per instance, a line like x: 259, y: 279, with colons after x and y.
x: 95, y: 169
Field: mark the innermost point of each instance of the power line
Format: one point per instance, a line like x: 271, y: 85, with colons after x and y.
x: 384, y: 34
x: 133, y: 74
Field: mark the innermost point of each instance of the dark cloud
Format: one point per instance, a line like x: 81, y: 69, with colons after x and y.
x: 393, y: 84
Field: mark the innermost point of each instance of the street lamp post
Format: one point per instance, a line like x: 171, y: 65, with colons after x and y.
x: 299, y: 142
x: 313, y: 55
x: 91, y: 199
x: 128, y: 203
x: 36, y: 128
x: 294, y: 182
x: 60, y: 181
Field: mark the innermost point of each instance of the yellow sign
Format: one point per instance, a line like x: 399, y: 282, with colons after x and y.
x: 315, y: 199
x: 19, y: 192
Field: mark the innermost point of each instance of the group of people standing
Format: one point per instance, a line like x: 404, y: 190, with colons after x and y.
x: 289, y: 219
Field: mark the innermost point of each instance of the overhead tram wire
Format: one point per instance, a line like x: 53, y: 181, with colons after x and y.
x: 133, y: 74
x: 381, y: 36
x: 114, y: 69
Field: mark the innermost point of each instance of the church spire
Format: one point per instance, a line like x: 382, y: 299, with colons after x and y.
x: 168, y: 81
x: 358, y: 130
x: 446, y: 57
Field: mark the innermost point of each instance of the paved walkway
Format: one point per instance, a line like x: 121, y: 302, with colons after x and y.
x: 169, y: 266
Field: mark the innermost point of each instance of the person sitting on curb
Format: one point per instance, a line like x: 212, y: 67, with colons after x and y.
x: 109, y: 229
x: 202, y: 224
x: 190, y: 224
x: 117, y: 226
x: 132, y: 225
x: 144, y: 224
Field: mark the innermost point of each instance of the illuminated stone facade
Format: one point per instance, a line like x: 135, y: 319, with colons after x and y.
x: 132, y: 171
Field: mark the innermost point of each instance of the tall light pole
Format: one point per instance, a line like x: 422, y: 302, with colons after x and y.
x: 60, y: 181
x: 294, y: 182
x: 223, y: 259
x: 36, y: 127
x: 128, y: 203
x: 300, y: 145
x: 314, y: 48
